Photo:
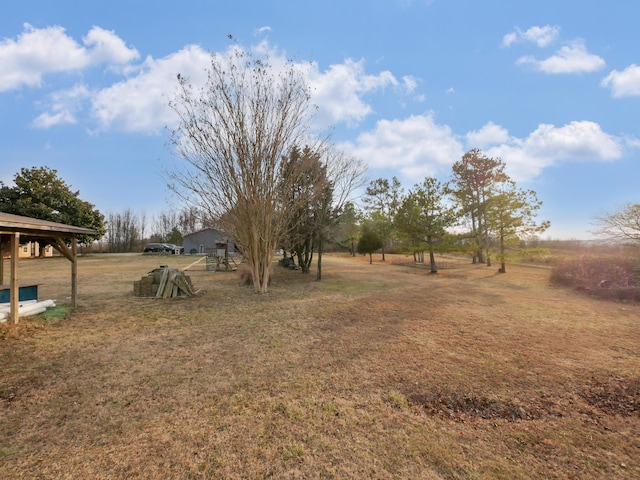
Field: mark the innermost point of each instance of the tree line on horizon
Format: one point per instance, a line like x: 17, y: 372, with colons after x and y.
x: 479, y: 212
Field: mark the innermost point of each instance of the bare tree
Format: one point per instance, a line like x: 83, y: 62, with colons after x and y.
x: 345, y: 174
x: 190, y: 220
x: 623, y: 224
x: 163, y: 225
x: 143, y: 226
x: 123, y: 231
x: 234, y: 134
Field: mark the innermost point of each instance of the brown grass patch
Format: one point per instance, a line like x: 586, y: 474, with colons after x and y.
x: 379, y: 371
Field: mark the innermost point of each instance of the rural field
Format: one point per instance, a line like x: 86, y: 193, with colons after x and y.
x: 380, y: 371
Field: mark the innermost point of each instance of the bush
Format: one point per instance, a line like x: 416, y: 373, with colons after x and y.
x: 609, y: 278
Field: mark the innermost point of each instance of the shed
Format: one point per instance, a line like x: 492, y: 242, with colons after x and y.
x: 16, y: 229
x: 198, y: 243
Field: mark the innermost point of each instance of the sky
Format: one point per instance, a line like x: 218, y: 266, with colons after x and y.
x: 407, y: 86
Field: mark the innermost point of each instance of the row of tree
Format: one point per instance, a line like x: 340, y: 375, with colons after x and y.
x: 480, y: 210
x: 128, y: 231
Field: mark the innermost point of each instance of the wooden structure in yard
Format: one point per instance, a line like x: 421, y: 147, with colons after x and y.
x: 16, y: 229
x: 218, y: 258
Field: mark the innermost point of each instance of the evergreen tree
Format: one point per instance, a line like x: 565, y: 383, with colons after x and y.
x: 474, y: 177
x: 511, y: 218
x: 382, y: 199
x: 423, y: 218
x: 369, y: 242
x: 39, y: 193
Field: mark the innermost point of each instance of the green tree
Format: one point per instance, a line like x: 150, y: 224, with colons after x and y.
x: 381, y: 200
x: 511, y: 214
x: 474, y: 177
x: 369, y: 242
x: 39, y: 193
x: 307, y: 200
x: 175, y: 237
x: 423, y: 218
x: 348, y: 228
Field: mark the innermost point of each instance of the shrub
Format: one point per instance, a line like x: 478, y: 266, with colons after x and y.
x: 610, y: 278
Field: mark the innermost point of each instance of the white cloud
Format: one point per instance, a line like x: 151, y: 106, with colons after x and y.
x: 339, y: 91
x: 46, y: 120
x: 541, y: 36
x: 63, y: 106
x: 549, y: 145
x: 416, y: 146
x: 572, y: 58
x: 410, y: 83
x: 104, y: 46
x: 140, y: 104
x: 625, y: 83
x: 489, y: 134
x: 261, y: 30
x: 37, y: 52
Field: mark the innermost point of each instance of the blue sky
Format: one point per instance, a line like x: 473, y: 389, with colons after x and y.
x: 408, y: 86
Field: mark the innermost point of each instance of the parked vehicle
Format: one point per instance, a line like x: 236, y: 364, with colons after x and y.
x: 166, y: 248
x: 177, y: 249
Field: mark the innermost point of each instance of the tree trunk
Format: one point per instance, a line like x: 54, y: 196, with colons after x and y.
x: 503, y: 266
x: 319, y: 271
x: 259, y: 261
x: 432, y: 259
x: 370, y: 258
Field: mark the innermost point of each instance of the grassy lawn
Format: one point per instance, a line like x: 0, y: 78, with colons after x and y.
x: 379, y: 371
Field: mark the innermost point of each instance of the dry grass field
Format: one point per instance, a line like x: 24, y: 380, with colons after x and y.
x: 379, y: 371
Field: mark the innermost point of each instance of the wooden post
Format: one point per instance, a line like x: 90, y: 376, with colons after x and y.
x: 74, y: 271
x: 1, y: 263
x: 15, y: 289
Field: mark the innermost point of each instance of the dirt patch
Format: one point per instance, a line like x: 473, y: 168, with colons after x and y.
x: 613, y: 395
x: 603, y: 395
x: 460, y: 406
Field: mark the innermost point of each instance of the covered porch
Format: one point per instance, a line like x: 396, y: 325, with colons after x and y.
x: 16, y: 230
